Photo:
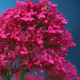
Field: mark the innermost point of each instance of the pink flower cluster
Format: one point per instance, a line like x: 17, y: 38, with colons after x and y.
x: 33, y: 36
x: 33, y: 77
x: 29, y: 77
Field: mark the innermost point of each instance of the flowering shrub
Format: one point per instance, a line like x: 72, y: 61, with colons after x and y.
x: 32, y: 77
x: 33, y: 37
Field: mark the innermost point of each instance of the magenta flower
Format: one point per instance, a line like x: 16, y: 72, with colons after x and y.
x: 33, y: 37
x: 33, y: 77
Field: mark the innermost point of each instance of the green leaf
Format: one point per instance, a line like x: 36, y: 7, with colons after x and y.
x: 13, y: 78
x: 22, y: 74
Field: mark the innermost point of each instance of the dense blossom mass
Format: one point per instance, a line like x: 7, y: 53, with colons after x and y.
x: 33, y: 37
